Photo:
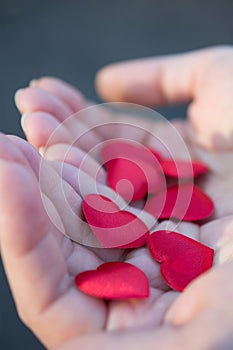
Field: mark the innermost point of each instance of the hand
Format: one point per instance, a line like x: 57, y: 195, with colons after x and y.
x: 203, y: 78
x: 206, y: 308
x: 40, y: 264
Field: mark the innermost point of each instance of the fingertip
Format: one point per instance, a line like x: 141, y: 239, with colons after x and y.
x: 42, y: 150
x: 41, y: 128
x: 101, y: 82
x: 17, y: 99
x: 8, y: 151
x: 132, y: 81
x: 151, y: 81
x: 24, y: 120
x: 41, y: 80
x: 33, y: 82
x: 65, y: 92
x: 107, y: 83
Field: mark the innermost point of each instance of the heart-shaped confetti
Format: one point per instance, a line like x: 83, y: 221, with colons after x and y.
x: 184, y: 202
x: 114, y: 280
x: 113, y: 227
x: 133, y: 170
x: 127, y: 178
x: 182, y: 258
x: 183, y: 169
x: 131, y: 150
x: 132, y: 181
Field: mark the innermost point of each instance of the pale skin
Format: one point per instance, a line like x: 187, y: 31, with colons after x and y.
x: 40, y: 262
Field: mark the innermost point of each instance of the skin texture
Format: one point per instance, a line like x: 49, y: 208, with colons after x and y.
x: 41, y: 262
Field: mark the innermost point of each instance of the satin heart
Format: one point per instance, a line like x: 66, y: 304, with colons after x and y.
x: 133, y: 170
x: 127, y: 178
x: 113, y: 227
x: 182, y: 258
x: 114, y: 280
x: 184, y: 202
x: 131, y: 150
x: 183, y: 169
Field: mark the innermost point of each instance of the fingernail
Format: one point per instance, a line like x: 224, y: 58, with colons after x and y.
x: 23, y: 119
x: 41, y: 151
x: 17, y: 94
x: 33, y: 82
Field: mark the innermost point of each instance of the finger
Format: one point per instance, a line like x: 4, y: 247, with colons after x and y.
x: 62, y: 90
x: 44, y: 129
x: 40, y: 126
x: 84, y: 184
x: 86, y: 128
x: 152, y: 81
x: 218, y: 234
x: 85, y: 125
x: 203, y: 333
x: 166, y: 338
x: 73, y: 98
x: 26, y: 152
x: 213, y: 290
x: 150, y: 312
x: 91, y: 126
x: 143, y: 260
x: 220, y: 190
x: 14, y: 154
x: 34, y: 99
x: 78, y: 158
x: 81, y: 133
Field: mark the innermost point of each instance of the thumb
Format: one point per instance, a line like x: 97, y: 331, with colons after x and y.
x: 152, y: 81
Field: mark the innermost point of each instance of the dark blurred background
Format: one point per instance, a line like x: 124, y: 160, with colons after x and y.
x: 72, y: 40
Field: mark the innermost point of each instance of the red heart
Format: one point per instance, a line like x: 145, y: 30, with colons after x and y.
x: 132, y: 181
x: 127, y: 178
x: 134, y: 163
x: 184, y: 202
x: 113, y: 227
x: 183, y: 169
x: 114, y: 280
x: 129, y: 149
x: 182, y: 258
